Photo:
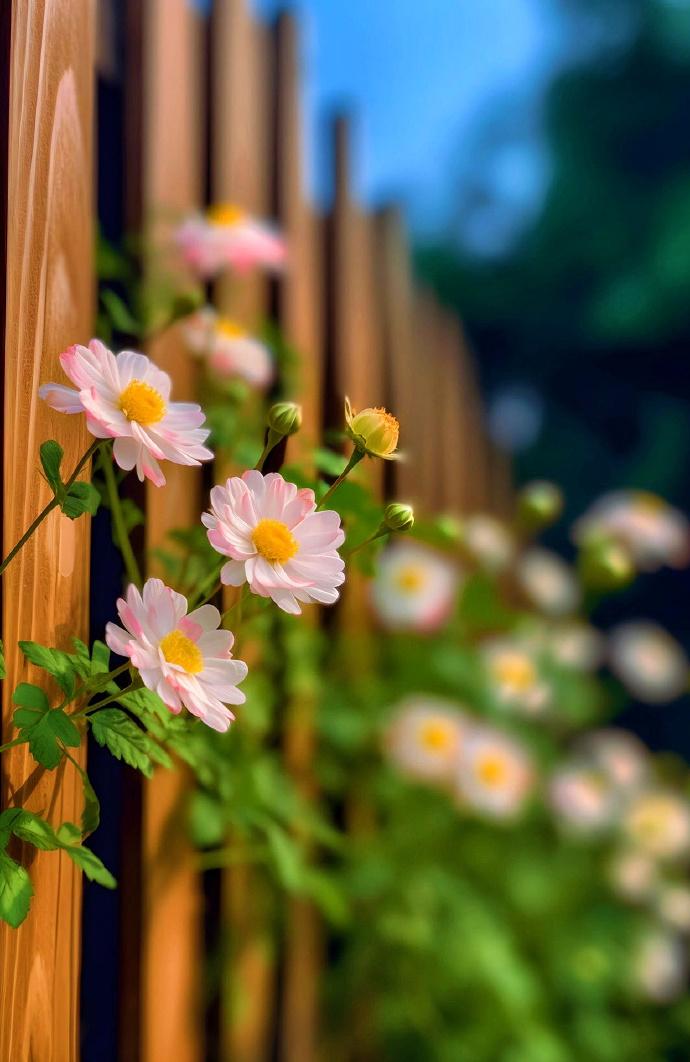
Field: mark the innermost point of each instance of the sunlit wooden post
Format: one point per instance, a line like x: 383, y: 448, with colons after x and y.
x: 172, y: 184
x: 49, y: 305
x: 299, y: 312
x: 241, y: 175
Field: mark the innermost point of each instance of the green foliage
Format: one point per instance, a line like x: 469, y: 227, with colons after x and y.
x: 79, y: 497
x: 46, y: 729
x: 15, y: 885
x: 3, y: 669
x: 113, y: 729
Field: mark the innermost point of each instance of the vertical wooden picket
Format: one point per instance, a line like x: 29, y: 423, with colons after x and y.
x: 172, y: 184
x: 241, y: 175
x: 49, y: 305
x: 299, y: 316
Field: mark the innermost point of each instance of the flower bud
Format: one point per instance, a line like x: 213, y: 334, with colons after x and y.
x: 539, y: 504
x: 606, y: 564
x: 373, y: 430
x: 285, y: 418
x: 398, y: 517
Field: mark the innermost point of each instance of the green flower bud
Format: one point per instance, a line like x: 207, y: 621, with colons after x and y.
x: 606, y: 564
x: 285, y: 418
x: 398, y: 517
x: 539, y: 504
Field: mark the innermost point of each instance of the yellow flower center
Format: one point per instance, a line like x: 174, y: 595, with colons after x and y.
x: 436, y: 736
x: 230, y: 329
x: 142, y: 403
x: 178, y: 649
x: 492, y: 771
x: 410, y: 579
x: 515, y: 670
x: 274, y: 541
x: 225, y: 214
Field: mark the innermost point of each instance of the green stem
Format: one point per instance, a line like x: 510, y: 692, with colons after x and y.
x: 372, y: 538
x: 203, y: 596
x: 125, y: 546
x: 52, y: 504
x: 238, y: 606
x: 11, y: 744
x: 355, y: 457
x: 272, y: 440
x: 91, y: 708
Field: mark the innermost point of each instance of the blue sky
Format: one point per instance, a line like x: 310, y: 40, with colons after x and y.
x: 417, y: 74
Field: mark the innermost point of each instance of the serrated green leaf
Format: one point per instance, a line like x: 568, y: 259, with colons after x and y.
x: 3, y: 669
x: 16, y: 891
x: 100, y: 658
x: 57, y: 663
x: 44, y: 728
x: 91, y: 865
x: 35, y: 830
x: 80, y: 498
x: 26, y: 695
x: 51, y: 454
x: 114, y: 730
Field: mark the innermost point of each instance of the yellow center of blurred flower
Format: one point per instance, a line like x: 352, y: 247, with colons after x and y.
x: 225, y: 214
x: 178, y: 649
x: 492, y: 770
x: 515, y: 670
x: 436, y: 736
x: 230, y: 329
x: 410, y: 578
x: 649, y: 504
x: 142, y: 403
x: 274, y: 541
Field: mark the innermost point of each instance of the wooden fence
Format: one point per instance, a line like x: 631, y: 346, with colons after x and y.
x: 191, y: 110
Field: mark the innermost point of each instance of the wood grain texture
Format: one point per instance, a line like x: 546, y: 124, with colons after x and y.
x: 45, y: 592
x: 172, y: 178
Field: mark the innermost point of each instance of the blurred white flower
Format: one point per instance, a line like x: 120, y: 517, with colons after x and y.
x: 488, y: 542
x: 229, y: 350
x: 622, y: 756
x: 673, y: 906
x: 514, y: 676
x: 548, y: 582
x: 657, y: 822
x: 582, y: 797
x: 424, y: 736
x: 653, y: 531
x: 633, y: 875
x: 649, y: 661
x: 575, y: 644
x: 495, y: 774
x: 659, y: 966
x: 414, y: 588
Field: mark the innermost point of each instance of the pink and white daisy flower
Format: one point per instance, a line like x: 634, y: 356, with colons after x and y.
x: 183, y: 658
x: 657, y: 822
x: 126, y: 398
x: 583, y: 798
x: 227, y: 237
x: 659, y: 966
x: 548, y: 582
x: 514, y: 676
x: 495, y: 774
x: 423, y: 738
x: 652, y: 530
x: 230, y: 351
x: 649, y: 661
x: 276, y: 540
x: 414, y: 588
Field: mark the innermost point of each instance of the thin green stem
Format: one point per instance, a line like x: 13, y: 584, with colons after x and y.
x: 11, y: 744
x: 91, y: 708
x: 272, y: 440
x: 372, y: 538
x: 237, y: 607
x: 125, y: 546
x: 355, y: 457
x: 203, y: 595
x: 52, y: 504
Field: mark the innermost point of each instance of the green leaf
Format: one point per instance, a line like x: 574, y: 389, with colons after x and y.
x: 81, y: 498
x: 44, y: 727
x: 3, y: 669
x: 119, y: 313
x: 29, y: 696
x: 60, y: 665
x: 114, y: 730
x: 91, y: 865
x: 100, y: 658
x: 51, y: 454
x: 16, y: 891
x: 35, y: 830
x: 329, y: 462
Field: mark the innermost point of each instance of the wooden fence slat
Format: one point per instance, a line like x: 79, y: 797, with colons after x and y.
x: 172, y: 184
x: 49, y: 303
